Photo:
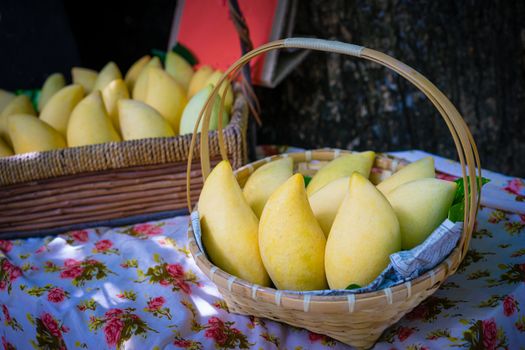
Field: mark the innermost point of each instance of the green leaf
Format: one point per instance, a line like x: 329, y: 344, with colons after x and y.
x: 179, y: 49
x: 160, y: 54
x: 156, y: 258
x: 307, y: 180
x: 353, y: 286
x: 185, y: 53
x: 457, y: 209
x: 456, y: 212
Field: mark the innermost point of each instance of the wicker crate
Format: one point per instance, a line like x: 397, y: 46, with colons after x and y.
x: 107, y: 184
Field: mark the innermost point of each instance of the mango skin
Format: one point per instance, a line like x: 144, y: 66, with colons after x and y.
x: 166, y: 96
x: 341, y: 167
x: 264, y: 181
x: 5, y: 98
x: 193, y: 108
x: 89, y: 123
x: 59, y: 107
x: 112, y: 94
x: 290, y: 239
x: 179, y: 69
x: 364, y: 234
x: 51, y: 86
x: 20, y: 104
x: 198, y: 80
x: 134, y: 71
x: 326, y: 202
x: 30, y: 134
x: 140, y: 86
x: 140, y: 121
x: 225, y: 92
x: 109, y: 73
x: 421, y: 206
x: 423, y: 168
x: 84, y: 77
x: 229, y: 227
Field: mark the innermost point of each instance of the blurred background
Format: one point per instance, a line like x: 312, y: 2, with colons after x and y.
x: 474, y: 51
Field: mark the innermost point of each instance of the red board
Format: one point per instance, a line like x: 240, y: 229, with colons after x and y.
x: 207, y: 31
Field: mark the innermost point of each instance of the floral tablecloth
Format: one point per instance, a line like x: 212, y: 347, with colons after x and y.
x: 137, y: 287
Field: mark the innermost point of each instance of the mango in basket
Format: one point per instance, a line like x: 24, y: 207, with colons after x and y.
x: 291, y: 241
x: 84, y: 77
x: 340, y: 167
x: 140, y: 121
x: 165, y: 95
x: 30, y: 134
x: 58, y: 109
x: 19, y: 105
x: 5, y: 150
x: 198, y: 80
x: 134, y: 71
x: 326, y: 201
x: 193, y: 108
x: 5, y: 98
x: 225, y: 92
x: 364, y: 234
x: 51, y: 86
x: 112, y: 93
x: 89, y: 123
x: 420, y: 206
x: 229, y: 227
x: 423, y: 168
x: 109, y: 73
x: 141, y: 84
x: 264, y: 181
x: 179, y: 69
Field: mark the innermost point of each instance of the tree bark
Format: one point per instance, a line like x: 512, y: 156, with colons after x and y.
x: 474, y: 51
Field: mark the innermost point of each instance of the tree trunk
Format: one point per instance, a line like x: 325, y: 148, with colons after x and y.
x: 474, y: 51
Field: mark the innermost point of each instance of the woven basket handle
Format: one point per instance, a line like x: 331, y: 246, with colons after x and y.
x: 463, y: 140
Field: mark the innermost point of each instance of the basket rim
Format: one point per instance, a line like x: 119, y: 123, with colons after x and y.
x: 428, y: 280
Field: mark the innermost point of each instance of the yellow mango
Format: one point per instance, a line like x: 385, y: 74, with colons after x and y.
x: 342, y: 166
x: 421, y: 205
x: 264, y: 181
x: 291, y: 241
x: 229, y: 227
x: 112, y: 93
x: 84, y: 77
x: 423, y: 168
x: 52, y: 85
x: 179, y: 69
x: 364, y: 234
x: 140, y: 121
x: 58, y: 109
x: 89, y: 123
x: 134, y: 71
x: 30, y: 134
x: 109, y: 73
x: 199, y: 79
x: 166, y: 96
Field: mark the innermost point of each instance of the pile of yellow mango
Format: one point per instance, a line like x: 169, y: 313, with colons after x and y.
x: 337, y: 232
x: 150, y: 101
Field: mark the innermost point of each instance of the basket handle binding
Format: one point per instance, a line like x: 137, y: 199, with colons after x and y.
x: 463, y: 140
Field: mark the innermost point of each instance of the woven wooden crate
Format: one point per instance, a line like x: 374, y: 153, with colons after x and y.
x: 355, y: 319
x: 107, y: 184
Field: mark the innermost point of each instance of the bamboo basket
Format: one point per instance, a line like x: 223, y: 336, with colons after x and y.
x: 355, y: 319
x: 113, y: 183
